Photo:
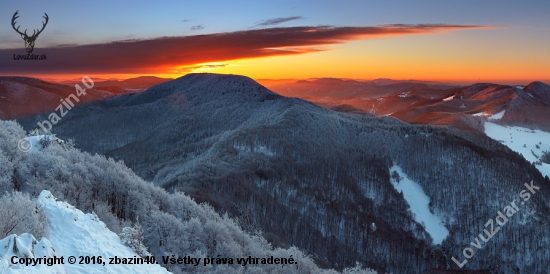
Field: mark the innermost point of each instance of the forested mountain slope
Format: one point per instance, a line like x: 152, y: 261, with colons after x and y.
x: 320, y: 179
x: 23, y: 96
x: 173, y: 224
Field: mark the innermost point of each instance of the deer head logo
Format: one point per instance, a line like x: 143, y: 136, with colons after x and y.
x: 29, y: 40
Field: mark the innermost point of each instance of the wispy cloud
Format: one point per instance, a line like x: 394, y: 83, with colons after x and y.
x: 276, y: 21
x: 197, y: 27
x: 201, y: 67
x: 207, y: 66
x: 167, y: 54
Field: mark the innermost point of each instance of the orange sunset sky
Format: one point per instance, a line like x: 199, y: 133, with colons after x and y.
x: 461, y: 41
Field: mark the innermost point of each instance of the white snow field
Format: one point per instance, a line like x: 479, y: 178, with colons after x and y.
x: 516, y: 137
x: 71, y: 233
x: 34, y: 142
x: 418, y: 202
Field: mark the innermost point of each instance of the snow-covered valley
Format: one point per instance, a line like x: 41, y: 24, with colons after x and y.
x: 529, y: 143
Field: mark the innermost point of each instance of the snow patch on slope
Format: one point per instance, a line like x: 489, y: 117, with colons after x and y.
x: 523, y: 141
x: 34, y: 141
x: 449, y: 98
x: 73, y: 233
x: 418, y: 202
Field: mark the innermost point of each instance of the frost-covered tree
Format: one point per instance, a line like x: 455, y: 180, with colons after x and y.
x: 20, y: 214
x: 10, y: 135
x: 105, y: 214
x: 358, y: 269
x: 133, y: 238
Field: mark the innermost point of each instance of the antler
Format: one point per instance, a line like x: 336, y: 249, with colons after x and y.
x: 43, y: 25
x: 13, y: 24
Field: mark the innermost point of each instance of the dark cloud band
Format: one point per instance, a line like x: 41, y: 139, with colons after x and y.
x: 162, y: 55
x: 276, y: 21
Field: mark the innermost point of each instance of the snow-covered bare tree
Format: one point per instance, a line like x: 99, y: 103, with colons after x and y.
x: 358, y: 269
x: 10, y: 134
x: 21, y: 214
x: 133, y: 238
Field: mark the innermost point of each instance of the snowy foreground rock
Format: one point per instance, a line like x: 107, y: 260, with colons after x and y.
x: 72, y: 233
x: 27, y: 247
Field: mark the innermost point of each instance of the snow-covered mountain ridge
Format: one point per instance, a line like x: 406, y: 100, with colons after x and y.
x: 322, y: 180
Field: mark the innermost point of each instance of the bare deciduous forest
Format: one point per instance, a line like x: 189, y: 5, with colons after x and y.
x: 303, y: 175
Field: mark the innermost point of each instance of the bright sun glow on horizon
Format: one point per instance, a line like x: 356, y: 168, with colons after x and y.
x: 435, y: 57
x: 498, y: 42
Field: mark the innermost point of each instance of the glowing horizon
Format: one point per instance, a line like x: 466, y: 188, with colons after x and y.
x: 497, y: 42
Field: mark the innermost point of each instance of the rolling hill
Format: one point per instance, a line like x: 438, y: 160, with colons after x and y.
x: 22, y: 96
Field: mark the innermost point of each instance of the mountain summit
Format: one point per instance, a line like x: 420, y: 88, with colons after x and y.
x: 204, y: 87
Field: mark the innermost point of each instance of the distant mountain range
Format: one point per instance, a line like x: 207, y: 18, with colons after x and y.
x: 429, y: 102
x: 320, y: 179
x: 338, y: 91
x: 527, y: 106
x: 131, y: 85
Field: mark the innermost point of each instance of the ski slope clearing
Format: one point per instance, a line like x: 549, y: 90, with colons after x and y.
x: 72, y: 233
x: 418, y: 202
x: 529, y: 143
